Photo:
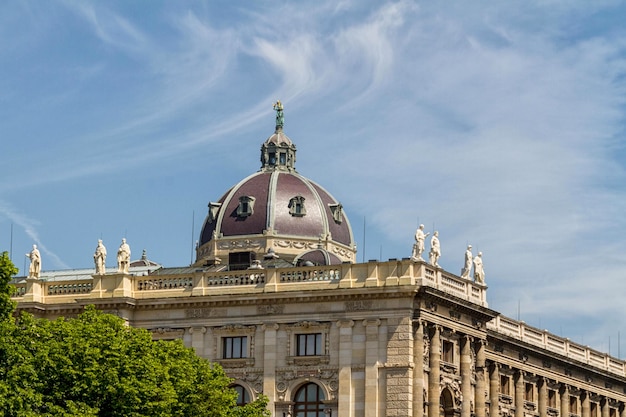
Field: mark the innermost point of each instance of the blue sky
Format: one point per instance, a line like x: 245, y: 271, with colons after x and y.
x: 500, y: 124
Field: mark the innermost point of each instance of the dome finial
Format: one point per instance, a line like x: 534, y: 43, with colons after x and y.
x: 280, y: 117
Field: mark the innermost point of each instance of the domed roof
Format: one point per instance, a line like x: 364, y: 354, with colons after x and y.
x: 275, y: 208
x: 279, y: 203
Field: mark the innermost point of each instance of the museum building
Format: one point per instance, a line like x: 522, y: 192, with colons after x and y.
x: 277, y: 298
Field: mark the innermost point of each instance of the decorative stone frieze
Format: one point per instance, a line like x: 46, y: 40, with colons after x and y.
x: 359, y: 305
x: 197, y: 313
x: 166, y: 333
x: 267, y: 309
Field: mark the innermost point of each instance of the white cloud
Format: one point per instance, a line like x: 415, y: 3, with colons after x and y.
x: 29, y: 226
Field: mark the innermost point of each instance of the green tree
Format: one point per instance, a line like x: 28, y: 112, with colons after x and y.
x: 7, y: 272
x: 96, y: 365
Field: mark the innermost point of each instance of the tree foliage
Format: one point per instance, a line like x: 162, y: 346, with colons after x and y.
x: 7, y: 272
x: 96, y: 365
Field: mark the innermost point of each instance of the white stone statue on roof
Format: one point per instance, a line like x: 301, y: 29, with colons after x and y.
x: 35, y: 263
x: 123, y: 257
x: 479, y: 271
x: 435, y: 250
x: 418, y: 246
x: 100, y: 257
x: 467, y: 267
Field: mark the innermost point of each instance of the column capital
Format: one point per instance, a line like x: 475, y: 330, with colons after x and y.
x: 370, y: 322
x: 345, y: 323
x: 269, y: 326
x: 199, y: 329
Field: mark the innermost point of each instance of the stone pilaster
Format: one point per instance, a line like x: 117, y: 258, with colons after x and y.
x: 604, y: 404
x: 564, y: 393
x: 418, y: 370
x: 269, y: 363
x: 345, y: 399
x: 435, y: 373
x: 371, y: 367
x: 585, y: 407
x: 466, y: 376
x: 542, y: 386
x: 197, y: 339
x: 519, y: 394
x: 479, y: 392
x: 494, y: 390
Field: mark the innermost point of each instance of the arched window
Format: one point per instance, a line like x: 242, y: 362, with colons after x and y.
x: 243, y: 397
x: 308, y: 401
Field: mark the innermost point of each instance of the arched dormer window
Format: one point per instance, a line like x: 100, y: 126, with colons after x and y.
x: 246, y: 206
x: 296, y: 206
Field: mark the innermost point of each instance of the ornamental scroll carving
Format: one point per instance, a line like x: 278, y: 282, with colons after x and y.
x: 359, y: 305
x: 326, y: 376
x: 198, y: 313
x: 453, y: 386
x: 270, y: 309
x: 239, y: 244
x: 166, y: 333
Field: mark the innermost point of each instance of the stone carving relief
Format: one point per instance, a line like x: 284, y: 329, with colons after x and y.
x: 197, y: 313
x: 166, y: 333
x: 296, y: 244
x: 239, y: 244
x: 253, y: 379
x: 359, y: 305
x: 270, y: 309
x: 426, y: 349
x: 324, y: 376
x: 454, y: 387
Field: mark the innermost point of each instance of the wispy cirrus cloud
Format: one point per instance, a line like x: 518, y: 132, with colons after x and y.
x: 29, y: 227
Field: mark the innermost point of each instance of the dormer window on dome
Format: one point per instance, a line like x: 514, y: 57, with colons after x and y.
x: 214, y: 209
x: 246, y: 206
x: 337, y: 212
x: 296, y: 206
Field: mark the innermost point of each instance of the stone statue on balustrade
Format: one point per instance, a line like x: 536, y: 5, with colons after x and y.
x: 100, y: 258
x: 123, y: 257
x: 35, y: 263
x: 435, y: 250
x: 479, y: 271
x: 467, y: 267
x: 418, y: 246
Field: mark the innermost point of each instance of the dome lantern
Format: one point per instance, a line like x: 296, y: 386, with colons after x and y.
x: 278, y: 152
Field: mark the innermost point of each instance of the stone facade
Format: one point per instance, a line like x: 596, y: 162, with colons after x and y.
x: 396, y: 338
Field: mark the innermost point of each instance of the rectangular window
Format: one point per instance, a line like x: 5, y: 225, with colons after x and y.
x: 552, y: 398
x: 528, y: 393
x: 309, y: 344
x: 235, y: 347
x: 504, y: 385
x: 448, y: 351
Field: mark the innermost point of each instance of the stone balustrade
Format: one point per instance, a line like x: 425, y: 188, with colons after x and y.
x: 202, y: 283
x: 560, y: 345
